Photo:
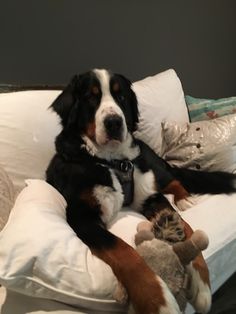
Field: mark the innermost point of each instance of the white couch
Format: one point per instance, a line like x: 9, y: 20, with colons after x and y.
x: 27, y: 132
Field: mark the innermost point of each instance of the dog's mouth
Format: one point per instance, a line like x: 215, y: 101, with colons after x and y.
x: 104, y: 138
x: 112, y: 141
x: 112, y: 131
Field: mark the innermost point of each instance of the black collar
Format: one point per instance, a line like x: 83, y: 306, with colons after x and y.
x: 124, y: 165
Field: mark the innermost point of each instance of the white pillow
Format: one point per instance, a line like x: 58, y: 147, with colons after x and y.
x: 41, y: 255
x: 7, y: 197
x: 27, y: 133
x: 160, y: 97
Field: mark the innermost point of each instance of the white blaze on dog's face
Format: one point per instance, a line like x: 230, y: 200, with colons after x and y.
x: 110, y: 123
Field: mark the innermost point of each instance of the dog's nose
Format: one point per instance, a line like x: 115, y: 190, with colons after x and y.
x: 113, y: 124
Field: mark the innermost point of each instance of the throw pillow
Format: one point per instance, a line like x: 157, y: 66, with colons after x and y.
x: 159, y: 97
x: 28, y: 130
x: 204, y: 145
x: 41, y: 255
x: 206, y: 109
x: 7, y: 197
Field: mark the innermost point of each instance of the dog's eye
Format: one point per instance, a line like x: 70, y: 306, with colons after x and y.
x: 120, y: 97
x: 91, y: 100
x: 89, y: 95
x: 117, y: 92
x: 116, y: 88
x: 92, y: 95
x: 95, y: 90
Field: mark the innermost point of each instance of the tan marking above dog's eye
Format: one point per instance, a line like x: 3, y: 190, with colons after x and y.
x: 116, y: 87
x: 95, y: 90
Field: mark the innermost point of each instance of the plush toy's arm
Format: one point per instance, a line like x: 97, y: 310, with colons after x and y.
x: 189, y: 249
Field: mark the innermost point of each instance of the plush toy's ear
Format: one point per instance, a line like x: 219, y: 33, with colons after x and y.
x: 63, y: 104
x: 144, y: 225
x: 143, y: 235
x: 144, y: 232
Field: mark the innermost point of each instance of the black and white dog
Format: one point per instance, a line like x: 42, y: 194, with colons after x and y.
x: 99, y: 167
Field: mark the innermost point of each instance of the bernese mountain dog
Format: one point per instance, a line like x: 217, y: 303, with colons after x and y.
x: 99, y: 167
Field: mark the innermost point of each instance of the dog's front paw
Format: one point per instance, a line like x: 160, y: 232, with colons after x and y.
x: 199, y: 294
x: 186, y: 203
x: 171, y: 306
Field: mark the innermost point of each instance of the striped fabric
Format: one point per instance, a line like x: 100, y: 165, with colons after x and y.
x: 206, y: 109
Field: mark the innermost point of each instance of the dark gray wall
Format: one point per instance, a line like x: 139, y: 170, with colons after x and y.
x: 47, y: 41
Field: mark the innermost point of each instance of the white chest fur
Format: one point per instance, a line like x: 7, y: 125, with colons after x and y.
x: 144, y: 186
x: 110, y: 199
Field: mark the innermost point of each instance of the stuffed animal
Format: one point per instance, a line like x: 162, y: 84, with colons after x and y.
x: 167, y: 261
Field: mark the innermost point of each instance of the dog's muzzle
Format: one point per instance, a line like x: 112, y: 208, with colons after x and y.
x: 114, y: 126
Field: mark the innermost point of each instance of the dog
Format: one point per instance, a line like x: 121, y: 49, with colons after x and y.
x: 99, y: 167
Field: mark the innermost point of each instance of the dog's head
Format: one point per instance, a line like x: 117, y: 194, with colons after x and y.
x: 100, y: 105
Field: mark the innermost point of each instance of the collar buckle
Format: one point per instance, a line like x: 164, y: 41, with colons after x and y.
x: 126, y: 166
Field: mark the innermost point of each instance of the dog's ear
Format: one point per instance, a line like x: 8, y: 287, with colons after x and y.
x: 133, y: 105
x: 64, y: 103
x: 134, y: 108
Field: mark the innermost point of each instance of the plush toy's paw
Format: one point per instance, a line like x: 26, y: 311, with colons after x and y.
x: 186, y: 203
x: 199, y: 293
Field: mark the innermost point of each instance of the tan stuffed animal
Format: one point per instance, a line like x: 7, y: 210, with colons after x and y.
x: 167, y: 261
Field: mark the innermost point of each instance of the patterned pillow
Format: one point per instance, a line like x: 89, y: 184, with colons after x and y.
x: 204, y: 145
x: 206, y: 109
x: 7, y: 197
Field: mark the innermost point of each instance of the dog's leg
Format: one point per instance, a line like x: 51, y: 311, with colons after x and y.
x: 200, y: 291
x: 166, y: 181
x: 146, y: 291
